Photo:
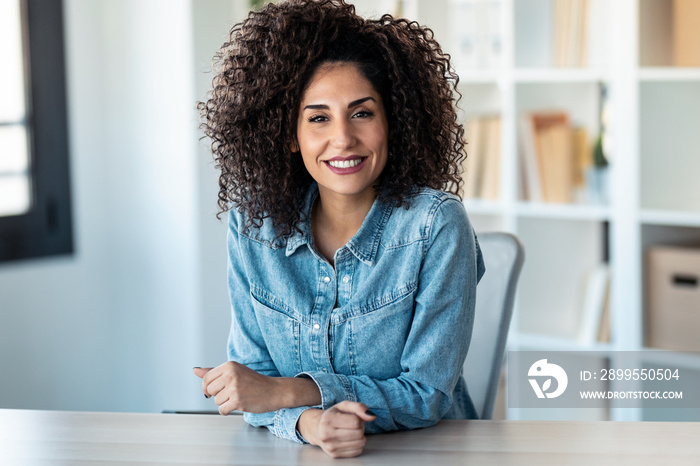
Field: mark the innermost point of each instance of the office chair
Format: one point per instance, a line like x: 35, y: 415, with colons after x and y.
x: 495, y: 295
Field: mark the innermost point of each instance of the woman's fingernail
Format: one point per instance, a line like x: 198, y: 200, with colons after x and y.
x: 196, y: 367
x: 369, y: 413
x: 207, y: 396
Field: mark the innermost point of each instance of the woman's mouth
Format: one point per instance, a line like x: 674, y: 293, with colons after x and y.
x: 345, y: 163
x: 347, y: 166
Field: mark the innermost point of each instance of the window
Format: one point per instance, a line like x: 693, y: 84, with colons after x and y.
x: 35, y: 215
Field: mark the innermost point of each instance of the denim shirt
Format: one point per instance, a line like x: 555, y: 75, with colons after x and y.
x: 389, y: 326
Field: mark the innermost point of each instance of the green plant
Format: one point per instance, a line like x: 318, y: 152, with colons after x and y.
x: 599, y: 159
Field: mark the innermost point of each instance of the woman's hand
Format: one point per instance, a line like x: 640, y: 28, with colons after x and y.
x: 236, y: 387
x: 339, y: 430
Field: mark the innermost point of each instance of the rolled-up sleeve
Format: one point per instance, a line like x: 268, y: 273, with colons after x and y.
x: 282, y: 423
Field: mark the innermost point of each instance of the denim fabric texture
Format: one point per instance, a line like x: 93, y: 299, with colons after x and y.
x: 388, y: 326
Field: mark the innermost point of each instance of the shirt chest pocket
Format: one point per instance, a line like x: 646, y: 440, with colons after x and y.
x: 280, y: 330
x: 375, y: 335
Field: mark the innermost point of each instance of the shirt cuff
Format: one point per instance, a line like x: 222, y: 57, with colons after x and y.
x: 285, y: 424
x: 334, y: 388
x: 282, y: 423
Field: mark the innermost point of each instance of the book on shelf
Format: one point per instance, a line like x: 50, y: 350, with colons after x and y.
x: 583, y: 161
x: 492, y: 159
x: 556, y: 162
x: 471, y: 167
x: 481, y: 169
x: 529, y: 164
x: 570, y: 33
x: 686, y: 32
x: 595, y: 321
x: 604, y: 327
x: 554, y: 156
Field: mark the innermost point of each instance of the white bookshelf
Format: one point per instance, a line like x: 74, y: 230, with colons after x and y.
x: 656, y: 74
x: 654, y: 194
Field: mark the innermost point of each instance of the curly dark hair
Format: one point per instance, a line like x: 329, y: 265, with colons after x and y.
x: 263, y: 70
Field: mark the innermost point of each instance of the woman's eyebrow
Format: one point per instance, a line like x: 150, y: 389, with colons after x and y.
x: 354, y: 103
x: 357, y: 102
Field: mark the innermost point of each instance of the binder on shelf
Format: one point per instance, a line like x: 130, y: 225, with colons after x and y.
x: 477, y: 36
x: 494, y: 35
x: 466, y: 36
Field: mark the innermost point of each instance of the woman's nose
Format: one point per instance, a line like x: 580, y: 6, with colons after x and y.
x: 343, y: 135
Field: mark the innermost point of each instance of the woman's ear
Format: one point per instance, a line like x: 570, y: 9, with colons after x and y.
x: 294, y: 146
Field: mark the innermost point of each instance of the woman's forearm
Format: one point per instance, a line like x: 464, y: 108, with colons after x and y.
x: 295, y: 391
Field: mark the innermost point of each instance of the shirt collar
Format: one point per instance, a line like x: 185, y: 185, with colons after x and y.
x: 363, y: 245
x: 304, y: 236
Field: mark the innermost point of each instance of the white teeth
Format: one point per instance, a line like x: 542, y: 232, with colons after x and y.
x: 344, y: 163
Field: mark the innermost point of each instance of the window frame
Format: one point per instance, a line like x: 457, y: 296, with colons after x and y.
x: 46, y: 229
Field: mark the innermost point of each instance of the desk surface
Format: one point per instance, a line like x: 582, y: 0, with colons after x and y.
x: 56, y: 437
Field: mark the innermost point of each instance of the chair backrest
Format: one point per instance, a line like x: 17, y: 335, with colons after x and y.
x: 495, y: 296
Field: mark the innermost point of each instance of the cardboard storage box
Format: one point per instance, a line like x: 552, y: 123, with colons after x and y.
x: 673, y: 284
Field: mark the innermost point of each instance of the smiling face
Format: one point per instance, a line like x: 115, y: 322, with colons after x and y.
x: 342, y: 131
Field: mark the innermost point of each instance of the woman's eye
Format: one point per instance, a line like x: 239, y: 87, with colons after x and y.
x: 363, y: 114
x: 317, y: 119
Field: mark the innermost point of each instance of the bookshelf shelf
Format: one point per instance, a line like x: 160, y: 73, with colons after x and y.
x: 483, y: 207
x: 472, y: 76
x: 535, y: 342
x: 670, y: 218
x: 669, y: 74
x: 560, y: 75
x: 563, y: 211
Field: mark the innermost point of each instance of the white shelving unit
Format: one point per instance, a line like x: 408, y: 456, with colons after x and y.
x: 654, y: 167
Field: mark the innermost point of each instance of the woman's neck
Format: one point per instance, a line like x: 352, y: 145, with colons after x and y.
x: 336, y: 218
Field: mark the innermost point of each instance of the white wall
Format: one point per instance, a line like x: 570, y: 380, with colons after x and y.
x: 212, y: 21
x: 119, y: 325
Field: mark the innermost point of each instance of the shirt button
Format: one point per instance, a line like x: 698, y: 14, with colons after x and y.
x: 346, y: 279
x: 317, y: 326
x: 324, y: 370
x: 327, y: 279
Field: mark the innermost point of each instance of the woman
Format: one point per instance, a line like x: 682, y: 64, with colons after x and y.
x: 352, y: 273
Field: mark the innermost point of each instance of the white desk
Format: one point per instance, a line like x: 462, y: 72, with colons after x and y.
x: 67, y: 438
